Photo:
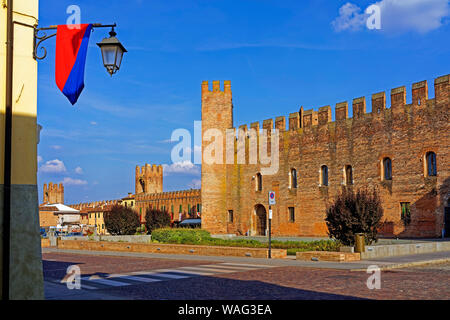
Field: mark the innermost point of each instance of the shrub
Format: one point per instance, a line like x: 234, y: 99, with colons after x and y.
x: 203, y: 237
x: 121, y: 221
x: 354, y: 212
x: 156, y: 219
x: 181, y: 235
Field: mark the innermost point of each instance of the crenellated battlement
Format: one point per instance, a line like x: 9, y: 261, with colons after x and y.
x: 53, y: 193
x: 149, y: 169
x: 311, y: 118
x: 149, y: 178
x: 170, y: 195
x: 216, y: 87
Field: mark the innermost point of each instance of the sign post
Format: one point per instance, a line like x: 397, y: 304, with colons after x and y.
x: 271, y: 202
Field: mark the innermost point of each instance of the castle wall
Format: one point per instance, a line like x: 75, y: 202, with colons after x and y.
x: 403, y: 132
x: 171, y: 202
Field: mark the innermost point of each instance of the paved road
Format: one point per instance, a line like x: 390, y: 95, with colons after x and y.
x: 128, y: 277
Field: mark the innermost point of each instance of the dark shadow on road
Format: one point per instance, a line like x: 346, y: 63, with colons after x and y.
x: 215, y: 288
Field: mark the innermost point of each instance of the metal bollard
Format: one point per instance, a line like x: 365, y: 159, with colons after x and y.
x: 359, y: 243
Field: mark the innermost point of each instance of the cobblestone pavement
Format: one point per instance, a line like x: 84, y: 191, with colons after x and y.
x: 237, y: 281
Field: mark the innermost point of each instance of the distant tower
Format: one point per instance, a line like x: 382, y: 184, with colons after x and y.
x: 54, y: 193
x: 149, y: 179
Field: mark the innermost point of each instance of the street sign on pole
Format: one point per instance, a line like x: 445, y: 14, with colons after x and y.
x: 271, y: 203
x: 271, y: 198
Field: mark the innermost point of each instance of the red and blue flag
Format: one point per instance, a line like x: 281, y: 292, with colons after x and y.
x: 71, y: 49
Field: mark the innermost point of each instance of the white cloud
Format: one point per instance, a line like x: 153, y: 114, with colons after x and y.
x: 350, y: 18
x: 413, y: 15
x: 181, y: 167
x: 53, y: 166
x: 93, y: 123
x: 396, y: 16
x: 74, y: 182
x: 195, y: 184
x: 39, y: 159
x: 79, y: 170
x: 56, y: 147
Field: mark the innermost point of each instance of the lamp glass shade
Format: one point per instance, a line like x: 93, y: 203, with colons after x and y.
x: 112, y: 53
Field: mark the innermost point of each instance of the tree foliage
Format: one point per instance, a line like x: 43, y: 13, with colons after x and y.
x: 355, y: 212
x: 121, y: 221
x: 156, y: 219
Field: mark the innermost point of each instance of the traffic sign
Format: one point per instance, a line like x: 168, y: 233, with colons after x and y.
x: 271, y: 198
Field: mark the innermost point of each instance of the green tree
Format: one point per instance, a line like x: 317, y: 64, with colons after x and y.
x: 121, y: 221
x: 355, y: 212
x: 156, y: 219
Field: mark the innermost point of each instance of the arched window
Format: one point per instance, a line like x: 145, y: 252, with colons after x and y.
x: 258, y: 182
x: 324, y: 176
x: 431, y: 164
x: 348, y: 175
x: 293, y: 177
x: 387, y: 169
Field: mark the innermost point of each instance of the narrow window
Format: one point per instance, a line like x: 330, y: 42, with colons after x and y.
x: 431, y: 164
x: 258, y: 182
x: 291, y: 214
x: 171, y: 210
x: 324, y: 176
x: 387, y: 168
x: 293, y: 178
x: 181, y: 208
x: 230, y: 216
x: 348, y: 175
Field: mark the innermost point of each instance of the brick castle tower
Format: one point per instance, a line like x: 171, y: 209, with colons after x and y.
x: 54, y: 193
x: 217, y: 114
x: 149, y: 179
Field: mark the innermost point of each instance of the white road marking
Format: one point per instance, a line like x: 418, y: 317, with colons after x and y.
x: 113, y: 280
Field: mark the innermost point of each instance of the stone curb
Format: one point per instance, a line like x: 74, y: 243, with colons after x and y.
x: 408, y: 264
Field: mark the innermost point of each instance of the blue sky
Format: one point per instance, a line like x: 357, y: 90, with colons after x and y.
x: 279, y: 55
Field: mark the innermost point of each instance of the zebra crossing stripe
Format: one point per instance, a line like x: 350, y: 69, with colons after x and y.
x: 162, y: 275
x: 237, y: 268
x: 83, y: 284
x: 211, y: 269
x: 96, y: 282
x: 193, y: 272
x: 137, y: 278
x: 256, y: 266
x: 108, y: 282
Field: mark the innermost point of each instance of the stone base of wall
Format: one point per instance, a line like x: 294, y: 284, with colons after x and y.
x: 327, y: 256
x: 374, y: 252
x: 170, y: 249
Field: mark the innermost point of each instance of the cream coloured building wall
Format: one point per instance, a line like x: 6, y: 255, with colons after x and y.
x: 25, y: 268
x: 24, y: 134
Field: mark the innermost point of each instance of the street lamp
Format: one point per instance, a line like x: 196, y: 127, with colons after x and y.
x: 112, y: 52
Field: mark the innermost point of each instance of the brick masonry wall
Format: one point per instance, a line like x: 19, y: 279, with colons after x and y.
x: 169, y: 199
x: 403, y: 132
x: 170, y: 248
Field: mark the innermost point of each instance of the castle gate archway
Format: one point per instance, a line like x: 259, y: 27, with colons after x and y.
x: 260, y: 220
